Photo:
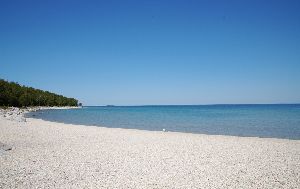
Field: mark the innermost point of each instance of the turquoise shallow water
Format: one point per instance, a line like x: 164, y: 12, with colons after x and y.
x: 275, y: 121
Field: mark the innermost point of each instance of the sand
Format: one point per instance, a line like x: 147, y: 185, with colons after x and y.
x: 55, y: 155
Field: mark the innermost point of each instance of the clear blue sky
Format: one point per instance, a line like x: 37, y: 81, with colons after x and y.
x: 154, y: 51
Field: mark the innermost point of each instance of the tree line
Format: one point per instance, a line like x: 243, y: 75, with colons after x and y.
x: 13, y: 94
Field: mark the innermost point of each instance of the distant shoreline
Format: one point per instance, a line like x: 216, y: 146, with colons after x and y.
x: 191, y: 105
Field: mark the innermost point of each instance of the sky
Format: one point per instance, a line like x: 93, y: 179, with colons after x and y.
x: 154, y: 52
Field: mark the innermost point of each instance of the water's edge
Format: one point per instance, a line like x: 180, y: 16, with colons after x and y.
x: 263, y: 121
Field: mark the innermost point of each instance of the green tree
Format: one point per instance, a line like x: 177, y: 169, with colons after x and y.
x: 13, y: 94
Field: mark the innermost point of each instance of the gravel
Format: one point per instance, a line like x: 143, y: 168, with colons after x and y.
x: 56, y: 155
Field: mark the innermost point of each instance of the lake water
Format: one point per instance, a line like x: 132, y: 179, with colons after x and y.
x: 276, y: 121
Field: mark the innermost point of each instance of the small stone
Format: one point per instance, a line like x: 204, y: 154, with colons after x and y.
x: 5, y: 147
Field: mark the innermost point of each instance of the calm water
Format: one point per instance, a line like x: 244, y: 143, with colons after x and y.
x: 278, y: 121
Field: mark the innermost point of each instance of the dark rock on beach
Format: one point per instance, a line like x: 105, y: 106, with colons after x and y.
x: 5, y: 147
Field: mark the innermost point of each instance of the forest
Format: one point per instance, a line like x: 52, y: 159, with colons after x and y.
x: 14, y: 94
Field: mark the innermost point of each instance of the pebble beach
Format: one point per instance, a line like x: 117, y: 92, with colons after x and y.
x: 40, y: 154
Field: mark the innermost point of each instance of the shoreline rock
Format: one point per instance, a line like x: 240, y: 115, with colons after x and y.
x: 17, y: 114
x: 5, y: 147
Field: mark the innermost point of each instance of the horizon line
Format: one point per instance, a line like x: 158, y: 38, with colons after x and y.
x: 112, y: 105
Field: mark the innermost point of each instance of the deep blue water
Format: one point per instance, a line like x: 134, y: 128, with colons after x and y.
x: 276, y: 121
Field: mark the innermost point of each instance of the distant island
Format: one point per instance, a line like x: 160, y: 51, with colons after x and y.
x: 13, y: 94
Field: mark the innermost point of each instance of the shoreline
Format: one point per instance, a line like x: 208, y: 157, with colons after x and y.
x: 18, y: 114
x: 59, y: 155
x: 20, y: 117
x: 155, y: 131
x: 163, y: 130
